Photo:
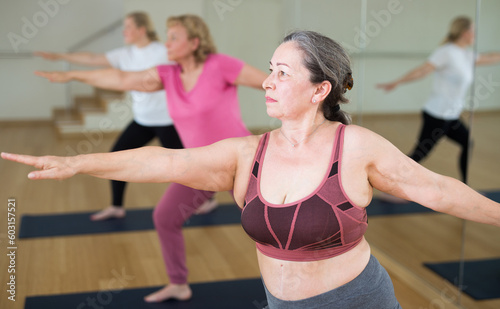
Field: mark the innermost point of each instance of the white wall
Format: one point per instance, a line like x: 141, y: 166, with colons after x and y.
x: 400, y: 35
x: 250, y: 31
x: 51, y: 25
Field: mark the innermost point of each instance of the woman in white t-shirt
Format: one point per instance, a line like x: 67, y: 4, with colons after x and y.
x: 452, y: 64
x: 151, y: 117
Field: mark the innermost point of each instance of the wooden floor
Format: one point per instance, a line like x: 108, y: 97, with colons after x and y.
x: 91, y: 263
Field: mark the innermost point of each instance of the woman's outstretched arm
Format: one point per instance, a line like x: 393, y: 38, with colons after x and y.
x: 415, y: 74
x: 488, y: 58
x: 391, y: 171
x: 82, y: 58
x: 208, y: 168
x: 113, y: 79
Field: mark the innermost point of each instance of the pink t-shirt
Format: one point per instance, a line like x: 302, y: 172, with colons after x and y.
x: 210, y: 112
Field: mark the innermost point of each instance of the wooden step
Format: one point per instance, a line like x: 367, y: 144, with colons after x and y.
x: 108, y: 94
x: 67, y: 120
x: 72, y: 122
x: 64, y: 116
x: 90, y: 104
x: 104, y: 96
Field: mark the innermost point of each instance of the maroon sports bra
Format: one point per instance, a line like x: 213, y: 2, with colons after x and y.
x: 322, y: 225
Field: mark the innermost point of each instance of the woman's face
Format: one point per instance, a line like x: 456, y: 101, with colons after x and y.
x: 178, y: 43
x: 131, y: 33
x: 289, y: 92
x: 469, y: 36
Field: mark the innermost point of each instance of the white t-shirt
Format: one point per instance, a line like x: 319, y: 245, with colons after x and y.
x: 150, y: 108
x: 452, y: 78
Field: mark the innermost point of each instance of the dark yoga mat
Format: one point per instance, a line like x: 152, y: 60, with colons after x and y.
x: 135, y: 220
x: 382, y: 208
x: 241, y: 294
x: 33, y: 226
x: 481, y: 277
x: 141, y: 219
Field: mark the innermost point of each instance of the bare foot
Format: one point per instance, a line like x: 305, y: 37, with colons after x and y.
x: 207, y: 207
x: 171, y: 291
x: 391, y: 198
x: 109, y: 213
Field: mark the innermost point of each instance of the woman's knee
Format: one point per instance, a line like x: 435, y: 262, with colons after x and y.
x: 168, y: 218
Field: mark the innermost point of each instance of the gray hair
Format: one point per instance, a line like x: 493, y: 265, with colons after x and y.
x: 326, y: 60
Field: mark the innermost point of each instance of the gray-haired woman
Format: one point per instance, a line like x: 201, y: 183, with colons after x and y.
x: 303, y: 187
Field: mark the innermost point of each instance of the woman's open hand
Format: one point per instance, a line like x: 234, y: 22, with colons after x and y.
x: 50, y: 167
x: 387, y: 86
x: 47, y: 55
x: 55, y: 77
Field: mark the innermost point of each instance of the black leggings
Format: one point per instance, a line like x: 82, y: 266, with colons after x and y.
x: 135, y: 136
x: 433, y: 129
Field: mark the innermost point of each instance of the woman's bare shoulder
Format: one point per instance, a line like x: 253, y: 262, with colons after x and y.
x: 247, y: 145
x: 358, y: 131
x: 246, y: 140
x: 365, y: 141
x: 360, y: 135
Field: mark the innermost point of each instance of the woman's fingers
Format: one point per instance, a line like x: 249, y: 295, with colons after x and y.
x: 24, y: 159
x: 386, y: 87
x: 46, y: 75
x: 45, y: 55
x: 50, y: 167
x: 55, y: 77
x: 45, y: 174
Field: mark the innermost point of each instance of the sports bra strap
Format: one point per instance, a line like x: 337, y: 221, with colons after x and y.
x: 339, y: 138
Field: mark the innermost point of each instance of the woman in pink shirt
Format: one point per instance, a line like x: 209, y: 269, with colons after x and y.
x: 150, y: 115
x: 203, y: 103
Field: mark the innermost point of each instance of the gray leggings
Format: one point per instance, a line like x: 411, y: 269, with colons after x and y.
x: 372, y: 289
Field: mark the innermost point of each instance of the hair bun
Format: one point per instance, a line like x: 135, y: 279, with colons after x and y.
x: 348, y: 82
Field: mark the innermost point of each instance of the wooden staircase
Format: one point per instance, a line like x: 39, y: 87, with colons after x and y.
x: 94, y: 112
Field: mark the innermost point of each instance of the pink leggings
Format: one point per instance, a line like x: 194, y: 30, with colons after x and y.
x: 176, y: 206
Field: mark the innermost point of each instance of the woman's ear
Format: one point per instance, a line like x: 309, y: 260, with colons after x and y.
x: 143, y: 30
x: 195, y: 43
x: 322, y: 91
